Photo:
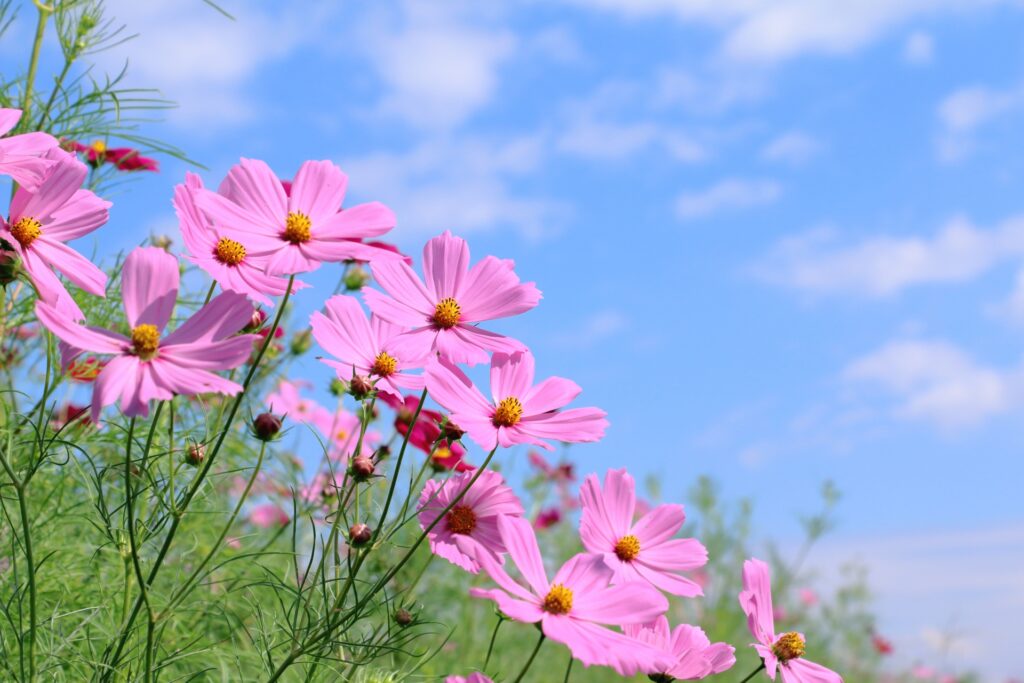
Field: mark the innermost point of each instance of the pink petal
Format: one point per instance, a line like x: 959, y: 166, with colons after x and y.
x: 400, y: 282
x: 583, y: 574
x: 520, y: 610
x: 359, y: 222
x: 623, y: 604
x: 445, y: 265
x: 659, y: 525
x: 803, y: 671
x: 317, y: 191
x: 600, y: 530
x: 290, y: 259
x: 511, y: 375
x: 80, y: 215
x: 253, y: 186
x: 211, y: 355
x: 492, y: 290
x: 551, y: 394
x: 8, y: 119
x: 75, y: 267
x: 450, y: 387
x: 521, y: 542
x: 756, y: 600
x: 669, y: 582
x: 469, y: 344
x: 678, y: 554
x: 225, y: 315
x: 149, y: 286
x: 79, y: 336
x: 65, y: 178
x: 577, y: 425
x: 119, y: 373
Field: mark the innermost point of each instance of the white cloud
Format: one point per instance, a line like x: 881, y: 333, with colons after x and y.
x: 885, y: 265
x: 459, y: 184
x: 595, y: 328
x: 793, y: 148
x: 919, y: 49
x: 937, y: 382
x: 612, y: 141
x: 1012, y: 308
x: 728, y: 194
x: 966, y: 110
x: 438, y: 64
x: 202, y: 60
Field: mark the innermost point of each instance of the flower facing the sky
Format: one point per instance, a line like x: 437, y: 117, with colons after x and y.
x: 440, y: 310
x: 23, y: 157
x: 690, y: 655
x: 471, y: 527
x: 780, y: 652
x: 147, y: 365
x: 228, y: 261
x: 363, y: 347
x: 520, y: 411
x: 299, y: 230
x: 575, y: 606
x: 40, y: 223
x: 645, y: 550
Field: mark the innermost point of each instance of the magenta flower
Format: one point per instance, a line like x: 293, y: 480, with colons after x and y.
x: 42, y: 220
x: 299, y: 230
x: 144, y: 365
x: 363, y: 347
x: 287, y: 400
x: 228, y: 261
x: 471, y: 527
x: 268, y: 515
x: 784, y: 652
x: 521, y: 412
x: 572, y: 608
x: 23, y: 157
x: 689, y: 653
x: 471, y: 678
x: 641, y: 551
x: 440, y: 313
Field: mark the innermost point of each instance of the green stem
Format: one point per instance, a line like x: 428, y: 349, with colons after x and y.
x: 33, y: 64
x: 494, y: 637
x: 27, y: 542
x: 529, y: 662
x: 568, y: 669
x: 753, y: 673
x: 209, y: 294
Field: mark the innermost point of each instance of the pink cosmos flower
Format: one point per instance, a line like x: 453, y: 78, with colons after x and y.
x: 228, y: 261
x: 641, y: 551
x: 784, y: 652
x: 23, y: 157
x: 808, y: 597
x: 299, y: 230
x: 145, y: 366
x: 364, y: 347
x: 689, y: 652
x: 520, y: 412
x: 471, y: 678
x: 439, y: 313
x: 572, y: 608
x: 470, y: 528
x: 42, y: 220
x: 287, y: 400
x: 268, y: 515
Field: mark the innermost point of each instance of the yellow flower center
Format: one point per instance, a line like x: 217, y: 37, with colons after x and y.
x: 297, y: 228
x: 789, y: 646
x: 229, y: 252
x: 342, y: 435
x: 558, y: 600
x: 26, y: 230
x: 447, y: 313
x: 627, y: 548
x: 99, y: 146
x: 441, y: 453
x: 461, y: 520
x: 384, y: 364
x: 509, y: 412
x: 145, y: 340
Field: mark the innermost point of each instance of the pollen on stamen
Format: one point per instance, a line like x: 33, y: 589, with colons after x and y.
x: 461, y: 520
x: 384, y: 364
x: 508, y: 412
x: 789, y: 646
x: 145, y: 340
x: 26, y: 230
x: 447, y: 313
x: 297, y: 228
x: 627, y: 548
x: 558, y: 600
x: 229, y: 252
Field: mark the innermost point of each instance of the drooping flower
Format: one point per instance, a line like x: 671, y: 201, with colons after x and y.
x: 42, y: 220
x: 470, y: 528
x: 574, y: 608
x: 440, y: 310
x: 23, y: 157
x: 471, y: 678
x: 147, y: 365
x: 364, y: 347
x: 691, y: 655
x: 298, y: 230
x: 645, y: 550
x: 521, y: 412
x: 782, y: 652
x: 228, y: 261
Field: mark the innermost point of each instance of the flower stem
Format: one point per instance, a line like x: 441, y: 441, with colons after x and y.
x: 33, y: 64
x: 494, y: 636
x: 753, y: 673
x: 568, y: 669
x: 529, y: 662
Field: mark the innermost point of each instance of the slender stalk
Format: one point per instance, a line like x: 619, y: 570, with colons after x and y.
x: 209, y: 294
x: 26, y: 532
x: 33, y: 64
x: 568, y: 669
x: 753, y: 673
x: 529, y: 662
x: 494, y: 637
x: 398, y: 463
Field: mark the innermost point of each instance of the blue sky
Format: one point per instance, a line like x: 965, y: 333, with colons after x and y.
x: 779, y: 241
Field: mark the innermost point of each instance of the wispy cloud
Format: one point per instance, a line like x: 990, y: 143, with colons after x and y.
x: 726, y: 195
x: 966, y: 110
x: 794, y: 148
x: 818, y: 263
x: 919, y: 49
x: 594, y: 329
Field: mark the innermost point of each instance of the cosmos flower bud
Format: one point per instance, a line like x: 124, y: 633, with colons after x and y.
x: 360, y: 387
x: 195, y: 454
x: 337, y: 387
x: 404, y: 617
x: 8, y: 269
x: 259, y: 316
x: 162, y: 241
x: 362, y: 467
x: 451, y: 431
x: 382, y: 453
x: 359, y: 535
x: 301, y: 342
x: 356, y: 278
x: 266, y: 426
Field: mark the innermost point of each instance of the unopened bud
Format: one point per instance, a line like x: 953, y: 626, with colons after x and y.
x: 382, y: 453
x: 301, y: 342
x: 259, y: 316
x: 266, y: 426
x: 356, y: 278
x: 403, y: 617
x: 195, y: 454
x: 362, y: 467
x: 337, y: 388
x: 451, y: 431
x: 162, y: 241
x: 359, y: 535
x: 8, y: 269
x: 360, y: 387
